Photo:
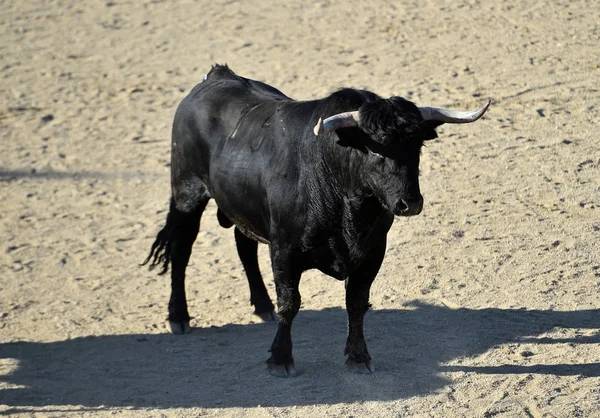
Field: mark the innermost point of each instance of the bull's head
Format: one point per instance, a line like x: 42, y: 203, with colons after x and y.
x: 394, y: 131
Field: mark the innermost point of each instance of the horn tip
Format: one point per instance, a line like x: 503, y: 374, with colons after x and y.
x: 485, y: 107
x: 318, y: 129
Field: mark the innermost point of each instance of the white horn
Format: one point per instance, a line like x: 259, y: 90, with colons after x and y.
x: 341, y: 120
x: 453, y: 116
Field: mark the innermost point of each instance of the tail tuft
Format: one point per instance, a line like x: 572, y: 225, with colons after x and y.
x: 160, y: 253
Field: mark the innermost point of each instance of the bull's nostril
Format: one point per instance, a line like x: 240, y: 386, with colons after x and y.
x: 401, y: 207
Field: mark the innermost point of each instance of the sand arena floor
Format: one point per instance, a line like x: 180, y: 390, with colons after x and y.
x: 487, y: 303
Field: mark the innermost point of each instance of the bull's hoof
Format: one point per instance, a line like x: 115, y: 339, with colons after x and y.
x: 180, y: 327
x: 267, y: 316
x: 282, y: 370
x: 360, y: 368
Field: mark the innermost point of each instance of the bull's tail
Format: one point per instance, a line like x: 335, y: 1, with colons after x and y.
x: 160, y: 253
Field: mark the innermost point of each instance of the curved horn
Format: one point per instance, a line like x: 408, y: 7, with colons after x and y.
x: 341, y: 120
x: 453, y: 116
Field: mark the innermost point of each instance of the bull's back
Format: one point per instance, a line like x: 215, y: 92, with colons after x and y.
x: 224, y: 132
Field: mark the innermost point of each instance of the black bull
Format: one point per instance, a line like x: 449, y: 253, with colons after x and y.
x: 321, y: 199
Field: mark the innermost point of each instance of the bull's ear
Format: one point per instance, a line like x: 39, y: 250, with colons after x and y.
x: 428, y: 129
x: 354, y: 140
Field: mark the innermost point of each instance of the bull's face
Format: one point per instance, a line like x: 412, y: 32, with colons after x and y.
x: 394, y: 178
x: 393, y: 133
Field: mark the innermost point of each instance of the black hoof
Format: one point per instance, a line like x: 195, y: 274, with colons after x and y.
x: 180, y: 327
x: 267, y: 316
x: 360, y: 368
x: 282, y: 370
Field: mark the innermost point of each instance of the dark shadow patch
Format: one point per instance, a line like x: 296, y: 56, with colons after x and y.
x: 222, y: 367
x: 13, y: 175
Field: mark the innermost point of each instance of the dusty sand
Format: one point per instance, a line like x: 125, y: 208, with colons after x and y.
x: 487, y: 303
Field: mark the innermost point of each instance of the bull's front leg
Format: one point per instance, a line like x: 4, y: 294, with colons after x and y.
x: 358, y: 286
x: 287, y: 278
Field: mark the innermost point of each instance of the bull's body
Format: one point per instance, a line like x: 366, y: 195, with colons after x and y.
x: 324, y: 202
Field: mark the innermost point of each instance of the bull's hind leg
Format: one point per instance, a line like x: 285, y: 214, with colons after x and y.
x: 174, y: 245
x: 181, y: 249
x: 259, y: 297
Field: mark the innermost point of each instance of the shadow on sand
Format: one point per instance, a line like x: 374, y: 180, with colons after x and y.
x: 11, y: 175
x: 49, y: 174
x: 224, y: 366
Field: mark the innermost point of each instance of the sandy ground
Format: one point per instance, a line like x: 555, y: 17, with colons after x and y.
x: 487, y: 303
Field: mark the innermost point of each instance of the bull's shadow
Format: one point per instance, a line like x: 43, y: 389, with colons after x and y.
x: 224, y: 366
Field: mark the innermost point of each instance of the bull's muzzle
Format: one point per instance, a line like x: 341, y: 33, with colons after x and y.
x: 409, y: 207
